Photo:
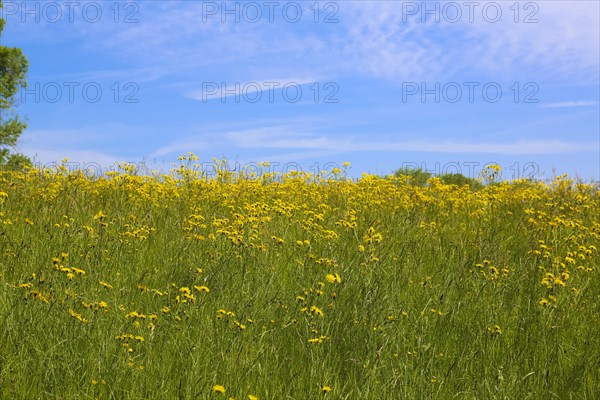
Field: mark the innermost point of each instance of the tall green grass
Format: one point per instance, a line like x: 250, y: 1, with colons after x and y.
x: 447, y: 303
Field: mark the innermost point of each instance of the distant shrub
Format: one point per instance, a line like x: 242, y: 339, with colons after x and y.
x: 417, y: 176
x: 461, y: 180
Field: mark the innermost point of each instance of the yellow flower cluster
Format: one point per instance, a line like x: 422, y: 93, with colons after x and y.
x: 271, y: 277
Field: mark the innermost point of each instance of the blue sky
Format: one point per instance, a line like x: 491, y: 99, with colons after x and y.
x: 448, y: 86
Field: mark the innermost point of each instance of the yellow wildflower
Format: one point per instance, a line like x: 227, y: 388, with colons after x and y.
x: 218, y: 389
x: 326, y: 389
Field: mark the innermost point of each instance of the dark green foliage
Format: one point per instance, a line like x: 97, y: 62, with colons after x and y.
x: 417, y: 176
x: 13, y: 68
x: 461, y: 180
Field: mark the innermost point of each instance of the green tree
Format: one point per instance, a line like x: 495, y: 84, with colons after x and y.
x: 461, y: 180
x: 417, y: 176
x: 13, y: 68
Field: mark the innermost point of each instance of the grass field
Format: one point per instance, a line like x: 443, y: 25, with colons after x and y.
x: 296, y: 287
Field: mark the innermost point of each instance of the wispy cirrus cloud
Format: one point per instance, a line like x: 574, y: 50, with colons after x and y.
x: 78, y: 159
x: 248, y: 89
x: 550, y: 40
x: 278, y: 138
x: 569, y: 104
x: 302, y: 141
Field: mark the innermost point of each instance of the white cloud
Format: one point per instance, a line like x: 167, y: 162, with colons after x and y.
x: 82, y: 159
x: 563, y: 43
x: 249, y: 91
x: 565, y: 104
x: 296, y: 142
x: 373, y: 38
x: 81, y: 145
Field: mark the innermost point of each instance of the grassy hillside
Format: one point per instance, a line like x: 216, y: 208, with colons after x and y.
x: 299, y: 287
